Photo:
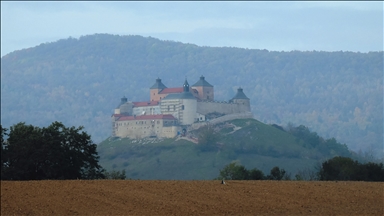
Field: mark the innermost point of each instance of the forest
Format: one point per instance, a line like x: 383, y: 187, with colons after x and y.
x: 79, y: 81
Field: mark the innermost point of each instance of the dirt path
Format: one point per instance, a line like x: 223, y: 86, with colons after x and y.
x: 134, y: 197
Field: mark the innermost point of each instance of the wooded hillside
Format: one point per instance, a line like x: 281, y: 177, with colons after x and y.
x: 80, y: 82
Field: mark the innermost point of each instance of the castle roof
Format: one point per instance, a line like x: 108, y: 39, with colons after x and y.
x: 171, y: 90
x: 186, y: 94
x: 123, y: 101
x: 183, y: 95
x: 240, y: 94
x: 158, y: 85
x: 146, y: 103
x: 146, y: 117
x: 117, y: 115
x: 202, y: 82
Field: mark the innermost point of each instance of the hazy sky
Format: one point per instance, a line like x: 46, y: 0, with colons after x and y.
x: 322, y: 26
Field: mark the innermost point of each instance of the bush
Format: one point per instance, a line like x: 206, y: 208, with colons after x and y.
x: 115, y: 175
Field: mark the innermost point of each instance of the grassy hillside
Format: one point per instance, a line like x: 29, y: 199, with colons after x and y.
x: 247, y: 141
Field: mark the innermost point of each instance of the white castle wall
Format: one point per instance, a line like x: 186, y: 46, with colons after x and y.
x: 148, y: 110
x: 182, y: 109
x: 188, y: 114
x: 205, y: 107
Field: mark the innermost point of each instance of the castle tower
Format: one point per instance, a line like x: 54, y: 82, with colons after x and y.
x: 241, y: 99
x: 155, y: 89
x: 182, y: 106
x: 204, y: 89
x: 125, y: 107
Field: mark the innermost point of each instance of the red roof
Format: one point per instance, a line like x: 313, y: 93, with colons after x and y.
x: 117, y: 115
x: 172, y: 90
x: 146, y: 103
x: 146, y: 117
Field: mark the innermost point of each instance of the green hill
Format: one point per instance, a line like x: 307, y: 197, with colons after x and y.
x: 248, y: 141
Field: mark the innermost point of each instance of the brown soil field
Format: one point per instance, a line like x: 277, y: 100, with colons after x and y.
x: 135, y: 197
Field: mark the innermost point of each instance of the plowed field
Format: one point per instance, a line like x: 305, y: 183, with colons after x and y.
x: 134, y: 197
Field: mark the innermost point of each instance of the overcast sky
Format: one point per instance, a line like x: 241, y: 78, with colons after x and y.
x: 278, y: 26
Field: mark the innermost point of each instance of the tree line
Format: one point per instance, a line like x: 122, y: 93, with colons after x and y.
x: 337, y: 168
x: 59, y: 152
x: 53, y: 152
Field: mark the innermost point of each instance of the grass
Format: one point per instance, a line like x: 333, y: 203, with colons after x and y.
x: 169, y: 159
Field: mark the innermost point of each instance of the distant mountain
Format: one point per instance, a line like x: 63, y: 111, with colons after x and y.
x: 247, y: 141
x: 80, y: 82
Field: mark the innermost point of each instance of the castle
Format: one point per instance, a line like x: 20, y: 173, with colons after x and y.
x: 171, y: 110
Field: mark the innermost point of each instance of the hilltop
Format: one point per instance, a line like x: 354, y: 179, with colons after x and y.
x: 247, y: 141
x: 79, y: 81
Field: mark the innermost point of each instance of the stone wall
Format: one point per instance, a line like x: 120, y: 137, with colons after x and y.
x: 245, y: 115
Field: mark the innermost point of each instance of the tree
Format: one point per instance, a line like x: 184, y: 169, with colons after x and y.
x: 3, y: 150
x: 256, y: 174
x: 346, y: 169
x: 233, y: 171
x: 374, y: 171
x: 276, y: 173
x: 208, y: 139
x: 55, y: 152
x: 306, y: 175
x: 339, y: 168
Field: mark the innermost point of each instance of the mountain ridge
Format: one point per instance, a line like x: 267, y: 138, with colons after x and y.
x: 80, y: 81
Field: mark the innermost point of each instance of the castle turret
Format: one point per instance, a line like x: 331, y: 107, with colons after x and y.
x: 182, y: 106
x: 123, y: 101
x: 204, y: 89
x: 125, y: 107
x: 241, y: 99
x: 186, y: 86
x: 155, y: 89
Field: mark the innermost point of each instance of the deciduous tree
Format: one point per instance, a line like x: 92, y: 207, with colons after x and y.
x: 55, y: 152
